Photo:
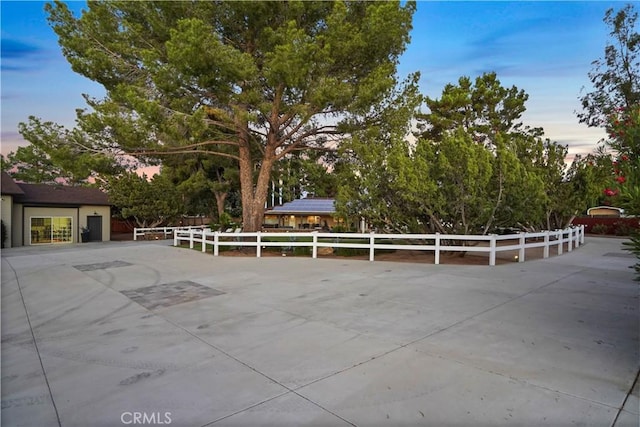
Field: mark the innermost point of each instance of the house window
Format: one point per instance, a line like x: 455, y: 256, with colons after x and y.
x: 56, y: 229
x: 313, y: 220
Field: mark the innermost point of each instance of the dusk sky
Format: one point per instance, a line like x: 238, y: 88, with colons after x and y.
x: 545, y: 48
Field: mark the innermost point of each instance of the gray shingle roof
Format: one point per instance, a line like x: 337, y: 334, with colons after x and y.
x: 306, y: 207
x: 9, y: 186
x: 43, y: 194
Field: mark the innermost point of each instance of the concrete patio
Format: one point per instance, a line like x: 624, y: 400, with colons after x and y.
x: 123, y: 333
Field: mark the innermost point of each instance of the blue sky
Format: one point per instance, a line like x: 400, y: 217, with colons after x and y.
x: 544, y: 47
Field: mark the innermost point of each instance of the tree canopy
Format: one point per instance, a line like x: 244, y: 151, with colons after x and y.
x: 616, y: 77
x: 55, y: 155
x: 473, y: 168
x: 150, y: 202
x: 615, y: 106
x: 250, y: 81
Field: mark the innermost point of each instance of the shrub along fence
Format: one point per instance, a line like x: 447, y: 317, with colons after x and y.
x: 573, y: 237
x: 611, y: 226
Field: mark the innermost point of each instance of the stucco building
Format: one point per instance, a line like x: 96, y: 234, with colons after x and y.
x: 52, y: 214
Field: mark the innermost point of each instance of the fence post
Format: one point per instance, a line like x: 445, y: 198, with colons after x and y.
x: 215, y: 243
x: 175, y: 238
x: 191, y: 239
x: 135, y: 234
x: 582, y: 234
x: 578, y: 243
x: 259, y: 245
x: 314, y: 247
x: 561, y: 241
x: 204, y: 241
x: 545, y: 253
x: 372, y: 240
x: 164, y: 233
x: 521, y: 250
x: 492, y: 253
x: 570, y: 240
x: 437, y: 254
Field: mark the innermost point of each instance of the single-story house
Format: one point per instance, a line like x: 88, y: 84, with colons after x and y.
x: 51, y: 214
x: 605, y: 211
x: 306, y: 214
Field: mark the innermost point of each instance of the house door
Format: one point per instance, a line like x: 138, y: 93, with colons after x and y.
x: 94, y: 224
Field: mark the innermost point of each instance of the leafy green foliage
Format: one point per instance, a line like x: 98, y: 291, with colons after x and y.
x: 465, y: 204
x: 616, y: 78
x: 54, y: 155
x: 379, y: 166
x: 623, y: 187
x: 483, y: 109
x: 29, y: 164
x: 633, y: 246
x: 150, y: 202
x: 249, y: 81
x: 600, y: 229
x: 473, y: 168
x: 313, y: 172
x: 198, y: 177
x: 615, y: 106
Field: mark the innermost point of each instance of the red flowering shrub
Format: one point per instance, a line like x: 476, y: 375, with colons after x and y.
x: 624, y: 131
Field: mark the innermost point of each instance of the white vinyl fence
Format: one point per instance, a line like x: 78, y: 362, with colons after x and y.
x: 573, y: 237
x: 166, y: 231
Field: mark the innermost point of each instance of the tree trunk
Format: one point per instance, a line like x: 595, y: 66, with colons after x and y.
x: 548, y: 220
x: 220, y: 196
x: 253, y: 196
x: 246, y: 185
x: 496, y: 206
x: 569, y: 221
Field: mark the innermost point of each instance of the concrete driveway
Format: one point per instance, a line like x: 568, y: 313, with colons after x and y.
x: 133, y: 333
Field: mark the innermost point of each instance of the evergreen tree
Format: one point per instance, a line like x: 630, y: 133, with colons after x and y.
x: 232, y: 79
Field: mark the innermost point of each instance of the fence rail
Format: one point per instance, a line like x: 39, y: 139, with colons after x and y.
x: 166, y: 231
x: 573, y: 237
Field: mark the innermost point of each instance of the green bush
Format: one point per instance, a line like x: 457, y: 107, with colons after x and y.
x: 224, y: 222
x: 633, y: 246
x: 350, y: 251
x: 622, y: 229
x: 600, y: 229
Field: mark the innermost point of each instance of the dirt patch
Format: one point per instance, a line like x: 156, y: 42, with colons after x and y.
x: 426, y: 257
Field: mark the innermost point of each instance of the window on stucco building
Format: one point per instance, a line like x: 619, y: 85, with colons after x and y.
x: 51, y: 230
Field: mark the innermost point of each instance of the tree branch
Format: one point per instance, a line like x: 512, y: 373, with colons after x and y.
x: 168, y: 153
x: 181, y: 148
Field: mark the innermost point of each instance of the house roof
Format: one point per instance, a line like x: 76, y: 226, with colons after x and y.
x: 61, y: 195
x: 305, y: 207
x: 8, y: 185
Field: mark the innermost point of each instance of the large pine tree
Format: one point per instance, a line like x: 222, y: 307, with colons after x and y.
x: 251, y: 81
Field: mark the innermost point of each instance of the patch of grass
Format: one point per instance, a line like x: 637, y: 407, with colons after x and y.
x: 347, y: 252
x: 197, y: 247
